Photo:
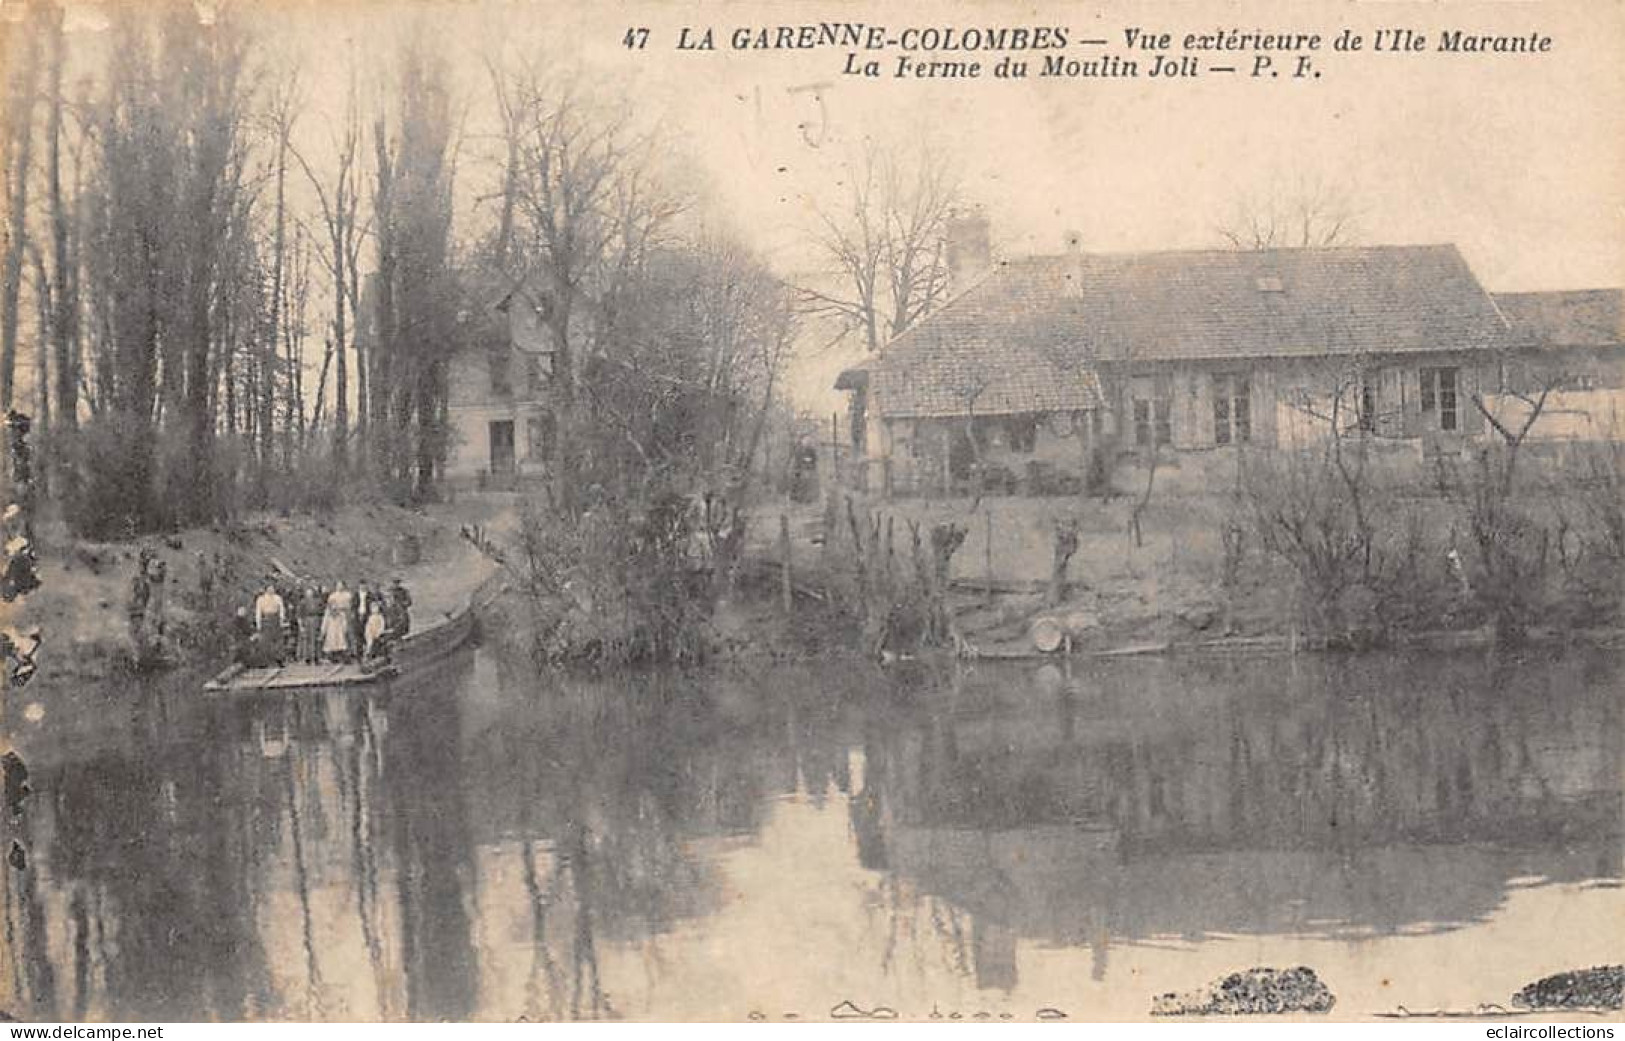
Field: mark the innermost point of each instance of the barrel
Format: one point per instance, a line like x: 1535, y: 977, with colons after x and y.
x: 1047, y: 634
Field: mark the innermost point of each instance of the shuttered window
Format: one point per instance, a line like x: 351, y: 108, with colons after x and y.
x: 1232, y: 410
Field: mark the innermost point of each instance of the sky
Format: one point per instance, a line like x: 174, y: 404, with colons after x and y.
x: 1517, y: 159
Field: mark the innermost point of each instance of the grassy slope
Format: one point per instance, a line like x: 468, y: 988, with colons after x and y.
x: 82, y: 602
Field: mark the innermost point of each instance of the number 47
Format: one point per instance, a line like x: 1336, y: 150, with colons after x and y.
x: 635, y: 39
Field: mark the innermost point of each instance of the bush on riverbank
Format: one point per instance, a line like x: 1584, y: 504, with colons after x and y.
x: 1487, y: 544
x: 621, y: 585
x: 1274, y: 546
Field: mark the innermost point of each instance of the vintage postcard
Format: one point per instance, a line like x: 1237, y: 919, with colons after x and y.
x: 812, y: 511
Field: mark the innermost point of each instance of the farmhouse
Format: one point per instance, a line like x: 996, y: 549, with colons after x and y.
x: 1039, y: 363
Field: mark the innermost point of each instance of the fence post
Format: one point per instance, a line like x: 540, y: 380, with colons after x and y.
x: 785, y: 587
x: 987, y: 555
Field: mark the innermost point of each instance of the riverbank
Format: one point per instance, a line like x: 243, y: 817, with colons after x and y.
x: 82, y: 605
x: 1171, y: 586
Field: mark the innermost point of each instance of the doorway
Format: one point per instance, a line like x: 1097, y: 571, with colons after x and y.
x: 501, y: 435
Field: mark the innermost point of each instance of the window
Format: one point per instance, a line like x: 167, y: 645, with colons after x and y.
x: 1153, y: 403
x: 498, y: 363
x: 538, y: 435
x: 989, y: 432
x: 1232, y: 410
x: 1439, y: 395
x: 1021, y: 433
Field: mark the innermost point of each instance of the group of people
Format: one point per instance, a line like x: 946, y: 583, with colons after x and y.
x: 313, y: 624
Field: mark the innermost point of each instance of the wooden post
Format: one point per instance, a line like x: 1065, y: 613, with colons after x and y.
x: 785, y: 587
x: 835, y: 448
x: 987, y: 555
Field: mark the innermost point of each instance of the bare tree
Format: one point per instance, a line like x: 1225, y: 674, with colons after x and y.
x: 282, y: 112
x: 340, y: 200
x: 168, y: 188
x: 1342, y: 406
x: 16, y: 151
x: 884, y: 241
x: 1511, y: 547
x: 1309, y: 212
x: 581, y: 210
x: 416, y: 301
x: 62, y: 283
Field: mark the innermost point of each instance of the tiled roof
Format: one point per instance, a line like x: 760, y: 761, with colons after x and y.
x: 1024, y: 339
x: 1583, y: 318
x: 944, y: 373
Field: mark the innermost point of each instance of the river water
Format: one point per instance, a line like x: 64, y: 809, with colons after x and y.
x: 1000, y: 841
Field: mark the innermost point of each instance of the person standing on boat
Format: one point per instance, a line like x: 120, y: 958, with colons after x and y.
x: 366, y: 596
x: 270, y: 614
x: 310, y: 625
x: 373, y: 632
x: 400, y: 604
x: 336, y: 625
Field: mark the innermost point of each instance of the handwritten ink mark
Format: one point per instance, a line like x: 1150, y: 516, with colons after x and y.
x: 848, y: 1010
x: 817, y: 91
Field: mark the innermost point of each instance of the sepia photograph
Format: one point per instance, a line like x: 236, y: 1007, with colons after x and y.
x: 812, y: 511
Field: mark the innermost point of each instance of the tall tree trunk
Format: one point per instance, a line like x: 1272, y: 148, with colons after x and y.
x: 341, y: 404
x: 19, y: 131
x: 566, y: 423
x: 383, y: 347
x: 42, y: 433
x: 278, y: 248
x: 65, y: 299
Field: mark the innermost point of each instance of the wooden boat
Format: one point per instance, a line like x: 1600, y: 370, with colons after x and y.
x: 417, y: 648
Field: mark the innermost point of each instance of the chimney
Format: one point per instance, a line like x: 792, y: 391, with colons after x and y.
x: 1074, y: 264
x: 969, y: 249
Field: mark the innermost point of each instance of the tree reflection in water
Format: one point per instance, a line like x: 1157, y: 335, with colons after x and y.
x: 490, y: 844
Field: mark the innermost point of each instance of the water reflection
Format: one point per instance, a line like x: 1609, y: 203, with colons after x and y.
x: 484, y: 843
